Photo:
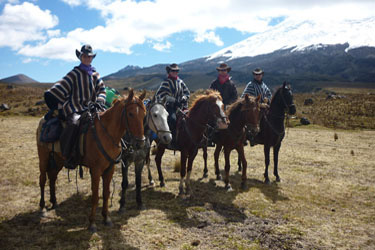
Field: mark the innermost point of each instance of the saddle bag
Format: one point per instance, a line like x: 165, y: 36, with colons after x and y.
x: 51, y: 130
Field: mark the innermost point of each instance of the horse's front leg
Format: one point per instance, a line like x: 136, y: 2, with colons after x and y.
x: 138, y: 182
x: 159, y: 155
x: 227, y: 168
x: 276, y: 149
x: 184, y: 155
x: 241, y: 156
x: 216, y: 157
x: 267, y: 163
x: 95, y: 179
x: 124, y: 184
x: 42, y: 183
x: 107, y: 177
x: 205, y: 170
x: 52, y: 176
x: 191, y: 158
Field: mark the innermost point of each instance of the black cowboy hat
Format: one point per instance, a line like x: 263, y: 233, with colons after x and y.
x: 258, y: 71
x: 173, y: 67
x: 87, y: 50
x: 224, y: 66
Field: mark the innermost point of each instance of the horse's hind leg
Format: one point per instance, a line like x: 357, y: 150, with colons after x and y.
x: 148, y: 161
x: 107, y: 177
x: 205, y: 170
x: 124, y: 186
x: 227, y: 169
x: 276, y: 149
x: 241, y: 155
x: 43, y: 165
x: 52, y: 176
x: 95, y: 179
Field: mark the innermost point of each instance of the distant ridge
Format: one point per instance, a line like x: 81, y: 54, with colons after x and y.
x: 18, y: 79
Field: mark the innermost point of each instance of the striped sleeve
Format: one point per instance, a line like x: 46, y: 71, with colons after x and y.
x: 61, y: 89
x: 100, y: 91
x: 163, y: 90
x: 267, y: 93
x: 249, y: 89
x: 185, y: 90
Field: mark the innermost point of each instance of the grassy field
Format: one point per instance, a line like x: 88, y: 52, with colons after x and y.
x: 326, y: 199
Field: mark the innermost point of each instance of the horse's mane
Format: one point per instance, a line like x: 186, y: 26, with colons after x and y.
x: 235, y: 107
x: 201, y: 99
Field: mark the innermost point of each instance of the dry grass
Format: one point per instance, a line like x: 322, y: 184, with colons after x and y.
x: 325, y: 200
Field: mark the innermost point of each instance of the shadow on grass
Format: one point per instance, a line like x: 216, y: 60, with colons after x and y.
x: 62, y: 228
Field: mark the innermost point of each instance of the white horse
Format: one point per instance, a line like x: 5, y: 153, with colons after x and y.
x: 155, y: 124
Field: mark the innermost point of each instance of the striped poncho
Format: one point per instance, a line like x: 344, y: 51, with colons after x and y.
x: 77, y: 89
x: 255, y: 88
x: 175, y: 88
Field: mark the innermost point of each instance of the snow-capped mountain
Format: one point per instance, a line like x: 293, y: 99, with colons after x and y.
x: 302, y: 35
x: 309, y: 53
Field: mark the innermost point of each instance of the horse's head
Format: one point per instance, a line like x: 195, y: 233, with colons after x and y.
x: 215, y: 109
x: 134, y: 113
x: 157, y: 120
x: 283, y: 99
x: 250, y: 111
x: 287, y: 98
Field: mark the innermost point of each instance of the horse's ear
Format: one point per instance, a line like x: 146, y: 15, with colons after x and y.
x: 131, y: 95
x: 247, y: 98
x: 143, y: 95
x: 285, y: 84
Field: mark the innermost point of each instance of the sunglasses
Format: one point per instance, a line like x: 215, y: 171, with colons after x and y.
x: 174, y: 70
x: 257, y: 74
x: 222, y: 70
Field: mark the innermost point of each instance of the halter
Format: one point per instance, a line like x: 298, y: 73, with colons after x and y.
x: 149, y: 118
x: 288, y: 106
x: 133, y: 139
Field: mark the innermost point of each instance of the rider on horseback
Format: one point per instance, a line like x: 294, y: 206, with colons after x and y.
x: 177, y: 95
x: 71, y: 96
x: 254, y: 88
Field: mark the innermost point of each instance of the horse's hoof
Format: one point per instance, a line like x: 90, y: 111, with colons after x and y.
x: 152, y: 183
x: 43, y: 212
x: 141, y: 207
x: 122, y: 210
x: 93, y: 228
x: 278, y: 179
x: 108, y: 222
x: 205, y: 175
x: 162, y: 184
x: 239, y: 169
x: 267, y: 181
x: 218, y: 177
x: 243, y: 186
x: 228, y: 188
x: 54, y: 206
x: 180, y: 191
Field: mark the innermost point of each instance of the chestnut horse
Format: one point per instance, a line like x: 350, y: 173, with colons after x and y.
x: 101, y: 145
x: 272, y: 129
x: 156, y: 122
x: 243, y: 115
x: 206, y: 109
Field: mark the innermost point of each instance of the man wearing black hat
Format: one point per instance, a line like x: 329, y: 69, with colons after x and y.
x: 225, y: 85
x: 258, y: 87
x: 255, y: 88
x: 177, y: 95
x: 71, y: 96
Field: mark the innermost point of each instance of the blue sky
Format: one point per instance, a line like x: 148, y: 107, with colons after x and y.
x: 39, y: 37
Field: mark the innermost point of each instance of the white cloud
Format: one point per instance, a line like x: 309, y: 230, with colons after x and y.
x: 162, y: 46
x: 24, y: 23
x: 130, y: 22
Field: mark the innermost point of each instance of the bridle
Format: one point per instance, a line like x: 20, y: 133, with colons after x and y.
x: 150, y: 119
x: 134, y: 140
x: 288, y: 106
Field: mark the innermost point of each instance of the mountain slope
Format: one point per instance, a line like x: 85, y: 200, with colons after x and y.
x: 18, y: 79
x: 308, y: 53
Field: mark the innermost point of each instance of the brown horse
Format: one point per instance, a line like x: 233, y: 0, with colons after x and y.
x: 101, y: 147
x: 206, y: 109
x: 243, y: 115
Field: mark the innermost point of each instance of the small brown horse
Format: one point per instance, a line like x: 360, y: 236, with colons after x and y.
x: 206, y: 109
x: 243, y: 114
x: 101, y: 147
x: 272, y: 129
